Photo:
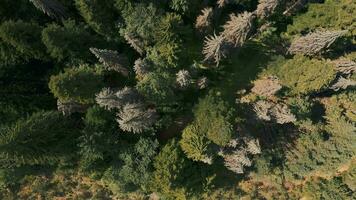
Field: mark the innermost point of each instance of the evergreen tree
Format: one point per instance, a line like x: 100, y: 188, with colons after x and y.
x: 100, y: 15
x: 70, y: 41
x: 24, y: 37
x: 78, y: 84
x: 39, y: 139
x: 52, y: 8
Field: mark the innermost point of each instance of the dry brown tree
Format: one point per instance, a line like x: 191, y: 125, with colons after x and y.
x: 202, y: 82
x: 69, y: 107
x: 141, y: 67
x: 261, y: 109
x: 281, y: 114
x: 203, y: 22
x: 345, y: 66
x: 135, y: 43
x: 266, y: 86
x: 293, y: 6
x: 343, y: 83
x: 111, y: 99
x: 111, y: 60
x: 51, y: 8
x: 273, y: 112
x: 215, y: 48
x: 315, y: 43
x: 134, y: 117
x: 183, y: 78
x: 238, y: 29
x: 266, y: 8
x: 222, y: 3
x: 106, y: 98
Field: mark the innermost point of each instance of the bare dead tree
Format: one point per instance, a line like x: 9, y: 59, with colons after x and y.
x: 261, y: 109
x: 51, y: 8
x: 266, y: 8
x: 342, y: 84
x: 106, y: 98
x: 344, y: 66
x: 215, y: 48
x: 203, y: 22
x: 275, y: 112
x: 70, y: 107
x: 252, y: 145
x: 111, y: 99
x: 239, y: 28
x: 141, y: 67
x: 315, y: 43
x: 222, y: 3
x: 183, y: 78
x: 266, y: 86
x: 281, y: 114
x: 294, y: 6
x: 202, y: 82
x: 111, y: 60
x: 135, y: 43
x: 136, y: 118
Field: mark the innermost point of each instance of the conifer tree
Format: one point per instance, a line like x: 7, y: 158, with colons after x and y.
x: 266, y: 86
x: 204, y: 20
x: 111, y: 99
x: 345, y: 66
x: 99, y: 14
x: 38, y: 139
x: 70, y: 42
x: 78, y: 84
x: 183, y: 78
x: 215, y: 48
x: 112, y: 60
x: 239, y: 28
x: 342, y: 84
x: 266, y: 7
x: 25, y: 37
x: 69, y: 107
x: 141, y: 68
x: 135, y: 118
x: 315, y: 43
x: 52, y: 8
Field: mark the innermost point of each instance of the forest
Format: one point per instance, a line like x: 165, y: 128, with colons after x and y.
x: 177, y: 99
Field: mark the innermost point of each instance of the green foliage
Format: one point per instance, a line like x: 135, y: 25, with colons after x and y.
x: 213, y: 123
x: 24, y: 37
x: 327, y: 189
x: 302, y: 75
x: 79, y: 84
x: 99, y: 15
x: 39, y: 139
x: 333, y: 14
x: 140, y: 21
x: 214, y: 118
x: 99, y: 137
x: 70, y: 41
x: 136, y: 166
x: 324, y: 149
x: 168, y: 165
x: 157, y: 87
x: 195, y: 144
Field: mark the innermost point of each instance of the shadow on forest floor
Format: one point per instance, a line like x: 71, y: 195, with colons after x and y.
x: 242, y: 67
